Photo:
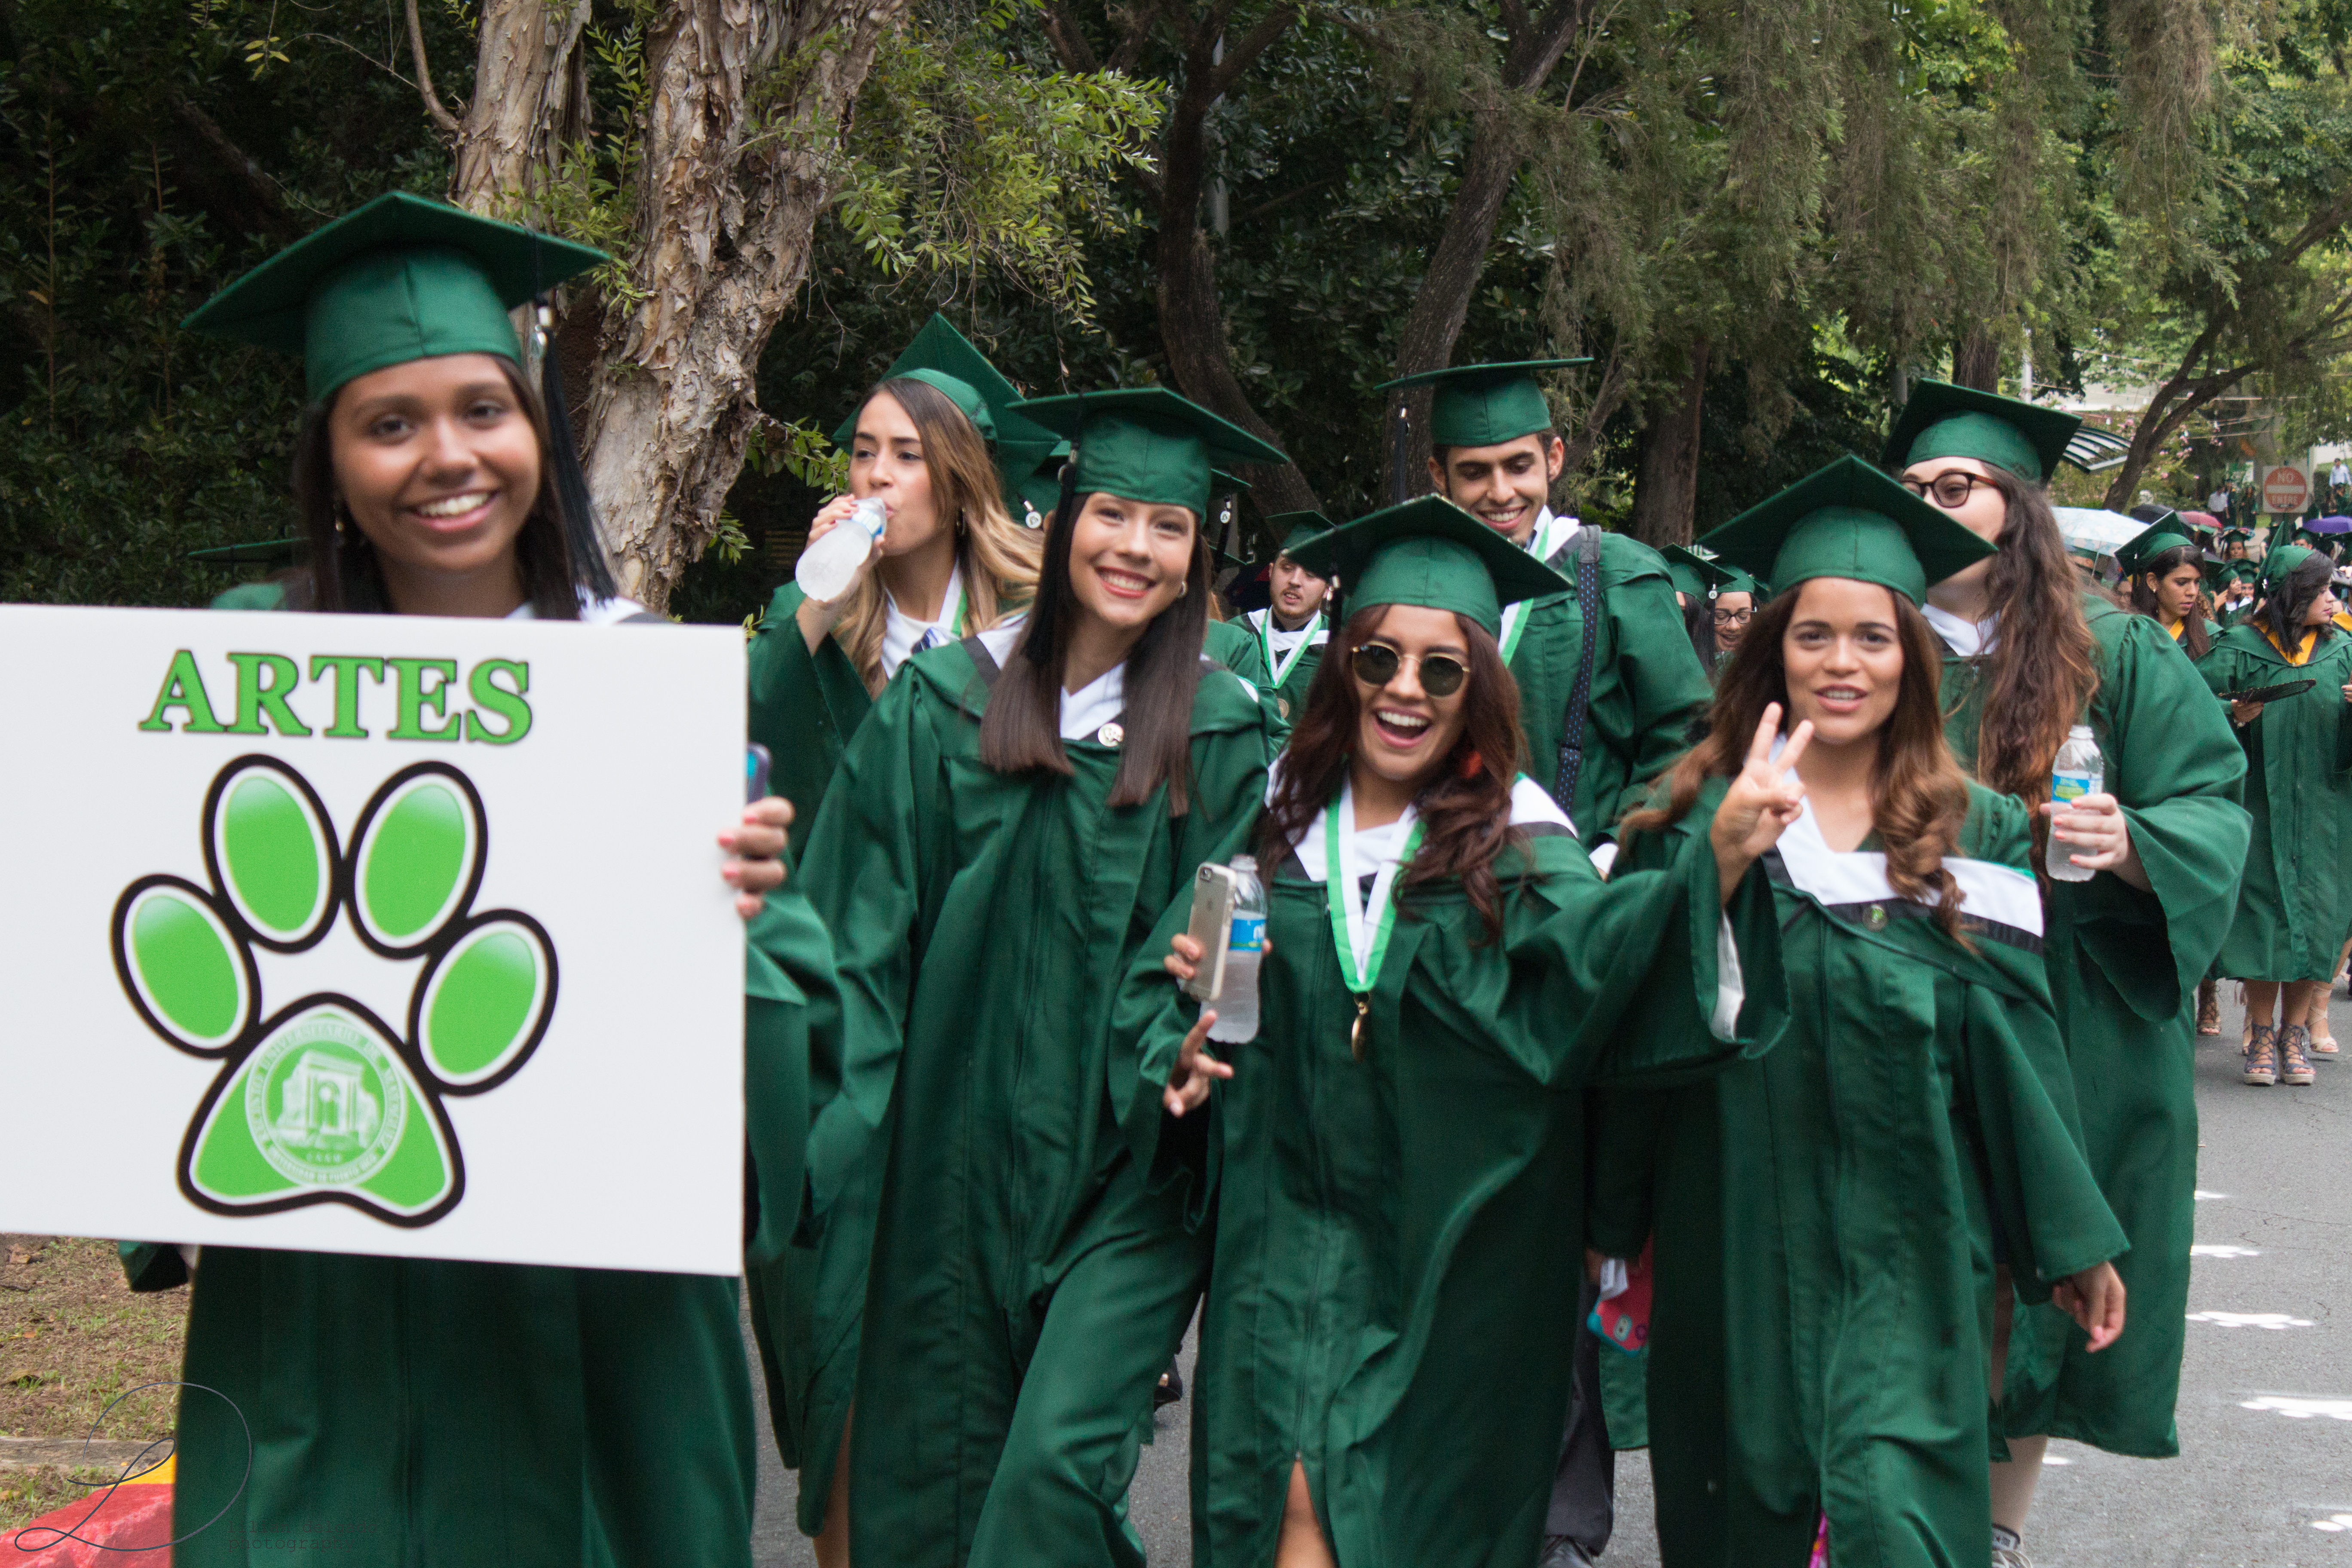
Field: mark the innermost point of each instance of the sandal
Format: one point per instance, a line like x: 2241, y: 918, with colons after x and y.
x: 2208, y: 1008
x: 2295, y: 1066
x: 2261, y: 1057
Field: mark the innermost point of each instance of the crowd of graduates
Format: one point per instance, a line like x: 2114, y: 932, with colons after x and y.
x: 1669, y: 1032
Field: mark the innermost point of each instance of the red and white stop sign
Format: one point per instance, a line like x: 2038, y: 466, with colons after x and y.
x: 2286, y: 489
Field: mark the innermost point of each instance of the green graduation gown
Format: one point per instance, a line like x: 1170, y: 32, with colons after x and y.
x: 1650, y: 691
x: 1288, y: 696
x: 1396, y: 1235
x: 1031, y: 1272
x: 2124, y: 967
x: 804, y: 707
x: 2296, y: 907
x: 1822, y: 1217
x: 408, y: 1410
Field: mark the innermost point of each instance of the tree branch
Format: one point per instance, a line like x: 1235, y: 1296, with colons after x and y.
x: 1070, y: 46
x: 441, y: 119
x: 1534, y: 54
x: 1255, y: 42
x: 241, y: 166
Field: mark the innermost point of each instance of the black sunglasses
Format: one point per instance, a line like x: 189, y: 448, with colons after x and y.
x: 1376, y: 664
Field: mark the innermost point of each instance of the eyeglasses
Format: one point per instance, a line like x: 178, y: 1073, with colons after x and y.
x: 1376, y: 664
x: 1733, y: 617
x: 1949, y: 489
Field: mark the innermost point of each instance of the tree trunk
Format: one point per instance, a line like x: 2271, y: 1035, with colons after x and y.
x: 1976, y: 360
x: 1442, y: 303
x: 1191, y: 317
x: 727, y: 202
x: 530, y: 97
x: 1665, y: 483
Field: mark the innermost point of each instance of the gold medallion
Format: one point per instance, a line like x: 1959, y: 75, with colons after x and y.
x: 1355, y: 1030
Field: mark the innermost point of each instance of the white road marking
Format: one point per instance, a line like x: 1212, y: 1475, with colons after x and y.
x: 2250, y: 1320
x: 2223, y: 1249
x: 2301, y: 1407
x: 2333, y: 1524
x: 2202, y: 1195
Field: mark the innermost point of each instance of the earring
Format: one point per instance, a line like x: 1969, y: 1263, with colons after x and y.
x: 343, y: 512
x: 1183, y: 589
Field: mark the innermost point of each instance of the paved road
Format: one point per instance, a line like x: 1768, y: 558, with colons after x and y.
x: 2265, y: 1476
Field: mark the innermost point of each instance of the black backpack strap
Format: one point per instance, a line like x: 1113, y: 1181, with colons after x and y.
x: 982, y: 659
x: 1587, y: 548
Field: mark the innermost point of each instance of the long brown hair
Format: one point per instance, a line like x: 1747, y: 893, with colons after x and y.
x: 2284, y: 606
x: 344, y: 574
x: 2193, y: 640
x: 1918, y: 796
x: 996, y: 557
x: 1465, y: 809
x: 2041, y: 672
x: 1022, y: 730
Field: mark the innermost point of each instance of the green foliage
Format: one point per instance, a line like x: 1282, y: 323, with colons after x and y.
x: 127, y: 443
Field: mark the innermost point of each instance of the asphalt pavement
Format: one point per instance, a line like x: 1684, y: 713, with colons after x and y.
x: 2265, y: 1479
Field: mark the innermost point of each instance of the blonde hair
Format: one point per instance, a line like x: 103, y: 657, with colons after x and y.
x: 997, y: 558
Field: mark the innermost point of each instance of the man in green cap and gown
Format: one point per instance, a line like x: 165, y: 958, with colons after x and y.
x: 1292, y: 631
x: 1610, y: 692
x: 2126, y: 948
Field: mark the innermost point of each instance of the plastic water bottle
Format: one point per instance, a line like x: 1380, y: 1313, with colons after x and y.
x: 829, y: 566
x: 1236, y: 1001
x: 2079, y: 771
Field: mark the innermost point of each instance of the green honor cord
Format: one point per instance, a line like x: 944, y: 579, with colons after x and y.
x: 1514, y: 617
x: 1277, y: 676
x: 1381, y: 914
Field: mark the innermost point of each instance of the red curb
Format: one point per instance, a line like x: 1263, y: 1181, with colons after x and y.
x: 136, y: 1520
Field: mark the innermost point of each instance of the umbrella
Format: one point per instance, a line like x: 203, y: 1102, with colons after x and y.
x: 2100, y: 532
x: 2330, y: 525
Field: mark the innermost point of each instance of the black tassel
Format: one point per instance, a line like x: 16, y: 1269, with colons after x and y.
x: 580, y: 538
x: 1399, y: 455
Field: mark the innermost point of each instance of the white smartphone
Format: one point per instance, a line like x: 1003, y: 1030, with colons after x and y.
x: 1212, y: 925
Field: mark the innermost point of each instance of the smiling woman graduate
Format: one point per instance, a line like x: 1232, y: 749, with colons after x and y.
x: 2164, y: 840
x: 1006, y: 830
x: 1822, y: 1217
x: 1383, y: 1378
x: 408, y: 1410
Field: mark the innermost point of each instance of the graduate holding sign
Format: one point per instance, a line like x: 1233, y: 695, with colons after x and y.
x: 1609, y: 689
x: 1381, y: 1376
x: 1006, y: 830
x: 1817, y: 1338
x: 401, y: 1410
x: 2163, y: 838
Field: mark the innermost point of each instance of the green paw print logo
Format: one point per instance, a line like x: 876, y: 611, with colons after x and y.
x: 322, y: 1102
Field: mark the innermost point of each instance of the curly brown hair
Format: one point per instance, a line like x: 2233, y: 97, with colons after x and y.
x: 1920, y: 796
x: 1465, y: 809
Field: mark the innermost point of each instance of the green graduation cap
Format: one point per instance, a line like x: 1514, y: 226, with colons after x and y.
x: 1695, y: 576
x: 1848, y: 520
x: 1942, y: 420
x: 1431, y: 553
x: 1296, y: 528
x: 2167, y: 533
x: 945, y: 360
x: 1147, y: 443
x: 2230, y: 536
x: 401, y: 279
x: 1485, y: 405
x: 2282, y: 560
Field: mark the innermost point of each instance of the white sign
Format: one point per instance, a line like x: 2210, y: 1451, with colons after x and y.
x: 372, y: 934
x: 2286, y: 489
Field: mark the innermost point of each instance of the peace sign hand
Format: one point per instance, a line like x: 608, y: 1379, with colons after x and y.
x: 1763, y: 800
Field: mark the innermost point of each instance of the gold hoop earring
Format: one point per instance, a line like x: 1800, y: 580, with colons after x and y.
x: 1183, y: 589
